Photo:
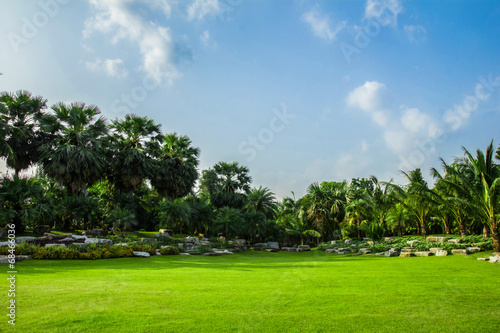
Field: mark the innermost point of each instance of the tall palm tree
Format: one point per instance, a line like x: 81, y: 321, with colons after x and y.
x: 21, y: 112
x: 130, y: 162
x: 418, y: 199
x: 397, y: 218
x: 261, y: 200
x: 75, y: 154
x: 327, y: 203
x: 480, y: 186
x: 174, y: 171
x: 227, y: 184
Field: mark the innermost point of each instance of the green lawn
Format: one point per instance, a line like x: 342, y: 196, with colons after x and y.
x: 257, y: 292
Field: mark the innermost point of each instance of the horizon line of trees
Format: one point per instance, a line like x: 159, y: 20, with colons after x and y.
x: 127, y: 175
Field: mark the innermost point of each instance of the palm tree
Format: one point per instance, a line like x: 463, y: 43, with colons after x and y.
x: 480, y: 186
x: 227, y: 184
x: 417, y: 199
x: 174, y: 214
x: 326, y: 204
x: 230, y: 222
x: 21, y: 111
x: 397, y: 218
x: 130, y: 162
x: 261, y: 200
x: 75, y: 154
x: 175, y: 166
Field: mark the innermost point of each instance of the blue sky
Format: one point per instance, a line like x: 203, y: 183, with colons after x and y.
x: 298, y: 91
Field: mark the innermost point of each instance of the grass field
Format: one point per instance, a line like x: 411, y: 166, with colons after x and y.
x: 257, y: 292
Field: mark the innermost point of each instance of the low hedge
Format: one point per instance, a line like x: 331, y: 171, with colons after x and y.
x: 89, y: 252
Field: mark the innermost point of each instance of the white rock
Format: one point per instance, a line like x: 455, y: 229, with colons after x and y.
x: 104, y: 241
x: 77, y: 237
x: 24, y: 239
x: 184, y: 254
x: 50, y: 245
x: 495, y: 259
x: 441, y: 253
x: 158, y: 253
x: 5, y: 243
x: 141, y: 254
x: 456, y: 241
x: 228, y: 252
x: 273, y: 245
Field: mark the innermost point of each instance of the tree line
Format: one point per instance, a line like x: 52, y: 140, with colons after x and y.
x: 126, y: 174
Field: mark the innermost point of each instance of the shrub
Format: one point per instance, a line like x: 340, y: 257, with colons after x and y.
x: 166, y: 251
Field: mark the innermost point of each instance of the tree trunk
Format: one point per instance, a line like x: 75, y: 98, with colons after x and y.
x: 418, y: 228
x: 446, y: 226
x: 400, y: 232
x: 462, y: 228
x: 495, y: 236
x: 486, y: 231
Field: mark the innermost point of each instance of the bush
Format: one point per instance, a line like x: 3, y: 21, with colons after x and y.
x: 166, y: 251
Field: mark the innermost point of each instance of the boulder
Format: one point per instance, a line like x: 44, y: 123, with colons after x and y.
x: 348, y: 241
x: 387, y: 239
x: 411, y: 242
x: 423, y: 253
x: 211, y: 254
x: 441, y: 253
x: 333, y: 242
x: 435, y: 249
x: 273, y: 250
x: 66, y: 240
x: 456, y: 241
x: 22, y: 239
x: 79, y: 237
x: 288, y: 249
x: 273, y: 245
x: 473, y: 249
x: 370, y: 243
x: 239, y: 242
x: 408, y: 249
x: 56, y: 236
x: 391, y: 253
x: 441, y: 239
x: 103, y: 241
x: 483, y: 259
x: 379, y: 253
x: 406, y: 254
x: 164, y: 234
x: 165, y: 246
x: 5, y: 243
x: 51, y: 245
x: 4, y: 259
x: 141, y: 254
x: 41, y: 229
x: 496, y: 254
x: 158, y: 253
x: 460, y: 251
x: 344, y: 249
x: 364, y: 250
x: 304, y: 247
x: 260, y: 245
x: 495, y: 259
x: 331, y: 251
x: 344, y: 252
x: 431, y: 239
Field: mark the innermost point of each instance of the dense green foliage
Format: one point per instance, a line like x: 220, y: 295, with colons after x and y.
x: 128, y: 175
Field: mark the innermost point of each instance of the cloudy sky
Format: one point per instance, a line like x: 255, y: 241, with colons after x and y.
x: 298, y: 91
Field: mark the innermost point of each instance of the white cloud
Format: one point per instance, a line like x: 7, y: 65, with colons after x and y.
x: 154, y: 42
x: 112, y: 67
x: 321, y: 25
x: 384, y: 11
x: 201, y: 8
x: 370, y: 98
x: 413, y: 120
x: 205, y: 37
x: 415, y: 33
